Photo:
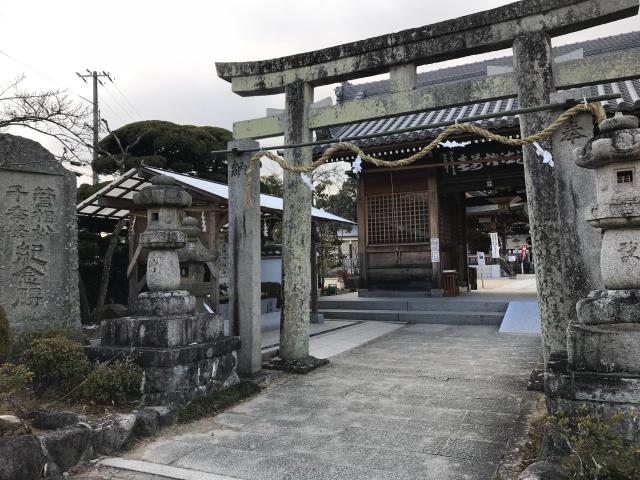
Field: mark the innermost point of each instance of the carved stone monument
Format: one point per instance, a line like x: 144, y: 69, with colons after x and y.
x: 183, y: 354
x: 38, y: 234
x: 603, y: 344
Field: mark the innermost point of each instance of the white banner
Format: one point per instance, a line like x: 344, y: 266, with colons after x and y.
x: 495, y: 246
x: 435, y: 250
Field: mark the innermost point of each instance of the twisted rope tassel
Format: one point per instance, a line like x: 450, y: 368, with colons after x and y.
x: 595, y: 109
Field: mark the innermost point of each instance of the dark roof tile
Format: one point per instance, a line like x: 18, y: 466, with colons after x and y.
x: 630, y: 91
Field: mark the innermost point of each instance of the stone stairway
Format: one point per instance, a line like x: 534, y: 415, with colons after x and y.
x: 451, y: 311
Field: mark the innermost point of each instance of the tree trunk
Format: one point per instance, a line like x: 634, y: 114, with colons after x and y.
x: 106, y: 270
x: 85, y: 308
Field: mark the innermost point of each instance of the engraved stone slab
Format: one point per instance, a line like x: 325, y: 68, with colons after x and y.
x: 38, y: 238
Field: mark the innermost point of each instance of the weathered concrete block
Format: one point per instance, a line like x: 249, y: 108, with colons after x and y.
x: 543, y: 471
x: 620, y: 258
x: 110, y: 434
x: 38, y: 233
x: 166, y: 416
x: 22, y: 458
x: 166, y: 357
x: 56, y: 420
x: 164, y: 191
x: 10, y: 425
x: 179, y: 373
x: 165, y: 332
x: 147, y: 422
x: 163, y: 269
x: 194, y: 375
x: 163, y: 239
x: 613, y: 347
x: 66, y: 447
x: 610, y: 306
x: 164, y: 303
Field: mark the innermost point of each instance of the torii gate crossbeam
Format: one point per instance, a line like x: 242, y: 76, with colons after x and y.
x: 526, y: 26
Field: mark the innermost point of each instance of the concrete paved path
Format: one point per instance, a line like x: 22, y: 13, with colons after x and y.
x: 423, y: 402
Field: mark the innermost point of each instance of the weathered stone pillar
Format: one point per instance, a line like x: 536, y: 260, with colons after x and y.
x: 532, y: 63
x: 603, y: 342
x: 244, y: 257
x: 296, y: 223
x: 576, y: 191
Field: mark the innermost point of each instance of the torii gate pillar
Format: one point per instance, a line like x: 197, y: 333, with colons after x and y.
x: 532, y: 64
x: 296, y: 227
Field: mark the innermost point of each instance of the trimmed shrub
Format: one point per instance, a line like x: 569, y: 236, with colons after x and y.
x: 13, y: 379
x: 113, y: 383
x: 598, y: 449
x: 6, y: 338
x: 25, y: 338
x: 57, y: 363
x: 272, y: 290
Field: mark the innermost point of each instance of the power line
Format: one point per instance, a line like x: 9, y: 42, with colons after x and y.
x: 112, y: 111
x: 118, y: 103
x: 47, y: 77
x: 127, y: 100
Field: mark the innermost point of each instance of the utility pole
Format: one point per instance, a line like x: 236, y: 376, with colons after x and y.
x: 96, y: 111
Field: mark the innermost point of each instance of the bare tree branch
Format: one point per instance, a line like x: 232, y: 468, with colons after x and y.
x: 48, y: 112
x: 121, y: 158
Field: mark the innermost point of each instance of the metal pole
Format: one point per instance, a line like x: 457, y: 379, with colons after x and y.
x: 95, y: 76
x: 512, y: 113
x: 96, y: 125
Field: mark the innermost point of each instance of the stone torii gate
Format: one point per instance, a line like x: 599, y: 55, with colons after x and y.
x: 555, y: 195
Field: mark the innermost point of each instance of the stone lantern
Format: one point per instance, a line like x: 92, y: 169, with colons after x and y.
x: 163, y: 237
x: 183, y: 354
x: 192, y: 259
x: 603, y: 345
x: 615, y: 156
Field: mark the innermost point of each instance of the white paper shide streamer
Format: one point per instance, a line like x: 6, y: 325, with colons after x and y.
x: 454, y: 144
x: 307, y: 181
x: 544, y: 154
x: 357, y: 165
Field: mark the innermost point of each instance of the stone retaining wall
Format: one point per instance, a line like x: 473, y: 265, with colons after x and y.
x: 28, y: 457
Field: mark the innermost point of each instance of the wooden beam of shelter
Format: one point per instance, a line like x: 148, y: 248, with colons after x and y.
x: 590, y: 71
x: 119, y: 203
x: 480, y: 32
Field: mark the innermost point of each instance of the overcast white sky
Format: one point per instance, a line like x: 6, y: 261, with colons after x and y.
x: 162, y: 53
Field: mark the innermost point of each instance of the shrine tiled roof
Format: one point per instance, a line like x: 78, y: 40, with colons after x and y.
x: 629, y: 90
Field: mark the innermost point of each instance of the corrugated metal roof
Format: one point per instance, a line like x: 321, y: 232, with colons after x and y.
x: 125, y: 186
x: 630, y: 91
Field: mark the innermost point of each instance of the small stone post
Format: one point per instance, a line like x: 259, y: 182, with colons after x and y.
x: 244, y: 257
x: 296, y: 226
x: 532, y: 63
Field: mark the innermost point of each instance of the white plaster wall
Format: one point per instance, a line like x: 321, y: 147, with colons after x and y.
x: 271, y: 269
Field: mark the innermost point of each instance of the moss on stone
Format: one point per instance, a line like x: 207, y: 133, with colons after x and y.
x: 6, y: 337
x: 216, y: 402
